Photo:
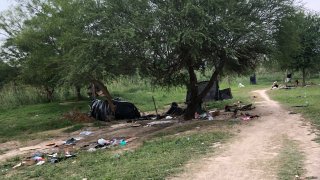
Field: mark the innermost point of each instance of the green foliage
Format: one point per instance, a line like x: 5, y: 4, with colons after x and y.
x: 156, y: 159
x: 7, y: 73
x: 298, y: 42
x: 203, y: 35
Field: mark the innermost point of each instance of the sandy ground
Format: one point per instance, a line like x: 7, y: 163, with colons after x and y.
x: 251, y: 155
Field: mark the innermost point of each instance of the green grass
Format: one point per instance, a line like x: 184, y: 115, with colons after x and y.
x: 16, y: 96
x: 156, y: 159
x: 21, y: 123
x: 309, y: 96
x: 290, y: 161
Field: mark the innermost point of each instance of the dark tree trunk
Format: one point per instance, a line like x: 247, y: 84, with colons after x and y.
x: 303, y: 76
x: 196, y: 99
x: 105, y: 91
x: 78, y: 92
x: 194, y: 102
x: 49, y: 93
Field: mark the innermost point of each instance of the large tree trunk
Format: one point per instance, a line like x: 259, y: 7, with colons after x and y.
x: 78, y: 92
x: 196, y: 99
x: 105, y: 91
x: 303, y: 76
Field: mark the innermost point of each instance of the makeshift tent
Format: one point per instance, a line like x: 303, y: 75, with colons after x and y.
x: 214, y: 93
x: 100, y: 110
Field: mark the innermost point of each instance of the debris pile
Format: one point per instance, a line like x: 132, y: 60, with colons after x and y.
x: 60, y: 151
x: 78, y: 117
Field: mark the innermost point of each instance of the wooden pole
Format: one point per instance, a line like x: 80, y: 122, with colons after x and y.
x: 155, y: 107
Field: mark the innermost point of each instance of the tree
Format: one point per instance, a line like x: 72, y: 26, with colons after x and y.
x: 298, y: 43
x: 74, y: 42
x: 188, y: 36
x: 7, y: 73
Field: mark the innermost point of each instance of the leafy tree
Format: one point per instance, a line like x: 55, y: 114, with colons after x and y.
x: 188, y: 36
x: 74, y: 42
x: 7, y: 73
x: 299, y: 43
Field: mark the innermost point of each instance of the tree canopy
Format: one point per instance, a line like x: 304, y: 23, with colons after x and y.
x: 55, y: 42
x: 298, y: 44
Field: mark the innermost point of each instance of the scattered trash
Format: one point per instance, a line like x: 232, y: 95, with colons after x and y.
x: 18, y: 165
x: 247, y: 116
x: 69, y: 155
x: 91, y: 149
x: 275, y: 85
x: 196, y: 115
x: 40, y: 163
x: 214, y: 113
x: 241, y: 85
x: 71, y: 141
x: 122, y: 143
x: 300, y: 106
x: 54, y: 160
x: 103, y: 142
x: 86, y: 133
x: 51, y: 144
x: 238, y: 107
x: 169, y: 117
x: 210, y: 118
x: 159, y: 123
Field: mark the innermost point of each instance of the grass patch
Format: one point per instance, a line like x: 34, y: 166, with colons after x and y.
x: 156, y: 159
x: 290, y: 161
x: 301, y: 96
x: 21, y: 122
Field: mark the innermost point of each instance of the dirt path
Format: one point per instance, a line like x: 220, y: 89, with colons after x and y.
x: 252, y: 154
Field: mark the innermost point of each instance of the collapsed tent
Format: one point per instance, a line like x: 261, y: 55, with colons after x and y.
x: 100, y: 110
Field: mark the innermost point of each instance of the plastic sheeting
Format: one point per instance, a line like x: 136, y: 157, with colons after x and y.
x: 100, y: 110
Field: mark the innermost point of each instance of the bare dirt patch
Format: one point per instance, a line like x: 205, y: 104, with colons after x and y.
x: 250, y: 155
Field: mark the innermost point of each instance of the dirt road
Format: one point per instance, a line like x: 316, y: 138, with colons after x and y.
x: 251, y: 155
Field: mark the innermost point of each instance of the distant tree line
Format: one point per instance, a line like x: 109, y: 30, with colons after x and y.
x: 77, y: 42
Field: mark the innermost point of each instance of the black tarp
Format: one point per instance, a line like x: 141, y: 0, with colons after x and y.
x: 99, y: 109
x: 225, y: 94
x: 213, y: 93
